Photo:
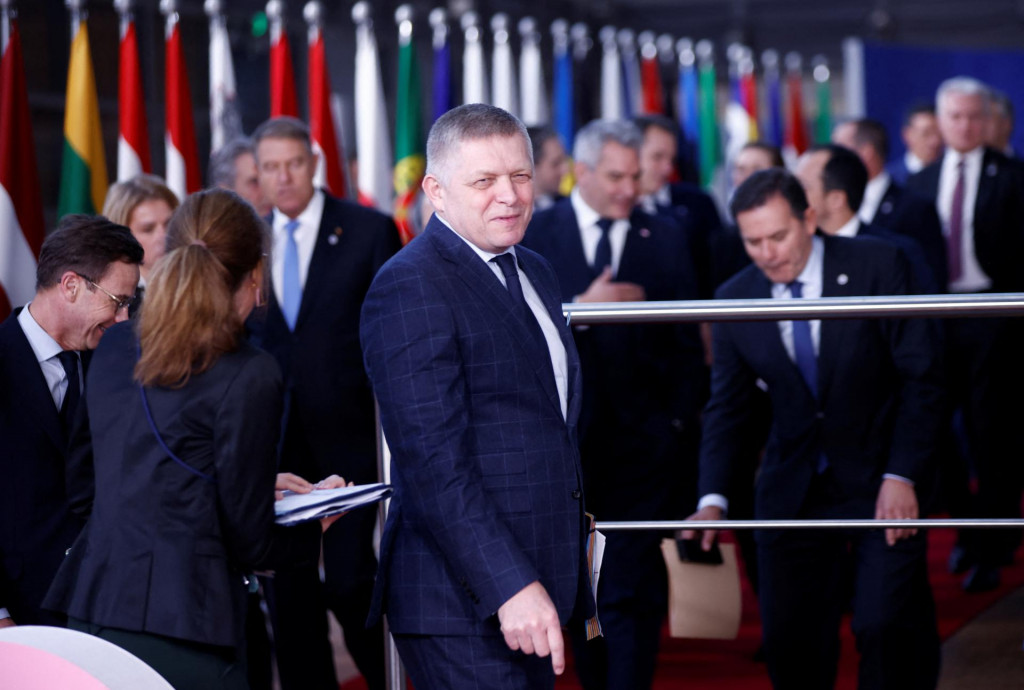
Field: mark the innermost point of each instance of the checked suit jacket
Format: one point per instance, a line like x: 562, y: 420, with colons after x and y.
x: 880, y: 391
x: 486, y: 471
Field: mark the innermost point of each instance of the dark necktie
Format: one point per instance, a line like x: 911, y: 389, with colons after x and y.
x: 803, y: 346
x: 603, y: 255
x: 507, y: 263
x: 69, y: 360
x: 806, y: 360
x: 956, y: 220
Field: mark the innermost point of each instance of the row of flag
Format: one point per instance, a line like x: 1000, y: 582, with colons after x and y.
x: 629, y: 75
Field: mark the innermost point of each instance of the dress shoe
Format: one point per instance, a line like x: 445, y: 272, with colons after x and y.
x: 982, y: 578
x: 959, y: 561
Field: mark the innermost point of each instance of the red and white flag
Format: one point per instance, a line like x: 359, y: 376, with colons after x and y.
x: 133, y: 135
x: 21, y: 206
x: 182, y: 174
x: 282, y: 74
x: 329, y: 171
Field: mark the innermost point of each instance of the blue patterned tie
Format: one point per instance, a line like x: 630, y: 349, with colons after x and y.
x: 603, y: 255
x: 803, y: 346
x: 291, y: 288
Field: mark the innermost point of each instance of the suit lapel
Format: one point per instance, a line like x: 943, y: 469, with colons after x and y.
x: 837, y: 281
x: 29, y: 381
x: 578, y: 273
x: 483, y: 283
x: 987, y: 182
x: 330, y: 241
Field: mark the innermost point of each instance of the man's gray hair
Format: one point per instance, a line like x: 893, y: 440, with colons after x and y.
x: 284, y: 127
x: 221, y: 172
x: 592, y: 139
x: 466, y: 123
x: 967, y: 86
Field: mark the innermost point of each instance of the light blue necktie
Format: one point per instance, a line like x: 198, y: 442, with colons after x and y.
x: 291, y: 288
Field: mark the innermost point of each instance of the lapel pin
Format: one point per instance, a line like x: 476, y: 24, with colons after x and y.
x: 332, y: 239
x: 842, y: 279
x: 991, y: 170
x: 645, y: 233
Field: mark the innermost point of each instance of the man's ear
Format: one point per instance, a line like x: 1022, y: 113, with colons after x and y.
x: 435, y: 192
x: 70, y: 285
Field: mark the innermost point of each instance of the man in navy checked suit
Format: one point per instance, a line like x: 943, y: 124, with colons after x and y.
x: 482, y: 556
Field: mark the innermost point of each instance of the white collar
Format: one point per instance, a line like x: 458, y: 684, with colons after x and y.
x: 43, y: 344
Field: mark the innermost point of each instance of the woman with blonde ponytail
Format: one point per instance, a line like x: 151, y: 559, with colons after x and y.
x: 175, y: 462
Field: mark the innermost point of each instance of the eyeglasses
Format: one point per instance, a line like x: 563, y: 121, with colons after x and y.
x: 121, y: 302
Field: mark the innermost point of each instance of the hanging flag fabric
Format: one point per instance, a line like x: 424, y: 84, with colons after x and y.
x: 773, y: 95
x: 21, y: 206
x: 225, y: 120
x: 442, y: 75
x: 329, y: 170
x: 373, y: 146
x: 503, y: 70
x: 474, y: 77
x: 133, y: 134
x: 83, y: 175
x: 612, y: 93
x: 796, y: 126
x: 532, y: 94
x: 282, y: 75
x: 710, y: 153
x: 410, y: 158
x: 650, y: 76
x: 632, y: 98
x: 564, y: 106
x: 748, y: 97
x: 182, y: 168
x: 823, y: 89
x: 689, y: 119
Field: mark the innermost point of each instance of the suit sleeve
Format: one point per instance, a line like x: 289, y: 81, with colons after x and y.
x: 916, y: 354
x: 245, y: 438
x: 414, y: 359
x: 726, y: 414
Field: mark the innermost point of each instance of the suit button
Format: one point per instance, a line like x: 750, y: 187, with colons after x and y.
x: 577, y: 494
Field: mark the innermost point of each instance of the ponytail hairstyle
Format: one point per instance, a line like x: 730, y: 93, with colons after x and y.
x: 215, y: 243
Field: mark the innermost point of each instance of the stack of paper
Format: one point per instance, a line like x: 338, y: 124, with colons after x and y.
x: 295, y: 508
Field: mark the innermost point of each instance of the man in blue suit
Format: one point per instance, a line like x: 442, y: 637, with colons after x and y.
x: 644, y: 386
x: 856, y: 412
x: 87, y: 274
x: 326, y: 252
x: 478, y: 382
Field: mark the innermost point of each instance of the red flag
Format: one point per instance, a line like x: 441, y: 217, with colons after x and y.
x: 182, y: 151
x: 282, y: 77
x: 133, y: 139
x: 21, y: 205
x: 321, y: 123
x: 650, y: 77
x: 796, y: 125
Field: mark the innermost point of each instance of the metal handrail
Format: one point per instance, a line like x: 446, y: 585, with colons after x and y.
x: 901, y: 306
x: 611, y: 526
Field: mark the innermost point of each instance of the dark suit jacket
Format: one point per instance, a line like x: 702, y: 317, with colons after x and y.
x: 880, y: 396
x: 329, y: 415
x: 36, y: 526
x: 897, y: 168
x: 486, y: 471
x: 641, y: 382
x: 922, y: 277
x: 998, y: 217
x: 699, y: 220
x: 164, y: 551
x: 914, y: 216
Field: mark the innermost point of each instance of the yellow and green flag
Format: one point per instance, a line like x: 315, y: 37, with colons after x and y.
x: 409, y: 149
x: 83, y: 178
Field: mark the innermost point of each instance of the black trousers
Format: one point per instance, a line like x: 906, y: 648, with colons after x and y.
x: 806, y: 577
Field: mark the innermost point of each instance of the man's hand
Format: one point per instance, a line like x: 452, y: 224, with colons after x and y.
x: 7, y: 622
x: 896, y: 501
x: 331, y: 482
x: 286, y: 481
x: 529, y: 622
x: 604, y: 289
x: 707, y: 536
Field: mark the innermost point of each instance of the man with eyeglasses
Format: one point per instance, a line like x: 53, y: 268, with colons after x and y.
x: 86, y: 277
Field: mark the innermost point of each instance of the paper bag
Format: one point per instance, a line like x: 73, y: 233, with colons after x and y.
x: 704, y: 600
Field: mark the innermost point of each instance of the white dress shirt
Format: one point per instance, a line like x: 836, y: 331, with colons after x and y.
x: 46, y: 350
x: 305, y: 240
x: 912, y: 163
x: 972, y: 278
x: 873, y: 193
x: 849, y: 229
x: 590, y: 233
x: 559, y: 358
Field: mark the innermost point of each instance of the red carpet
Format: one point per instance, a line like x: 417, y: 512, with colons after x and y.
x: 730, y: 665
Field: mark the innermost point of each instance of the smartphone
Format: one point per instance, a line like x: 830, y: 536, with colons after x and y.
x: 690, y: 551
